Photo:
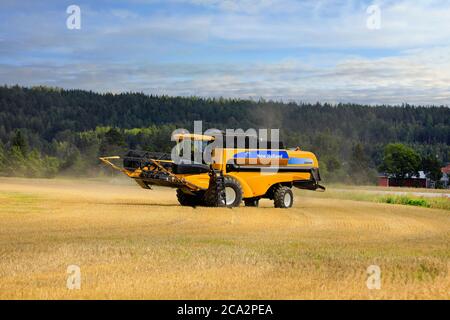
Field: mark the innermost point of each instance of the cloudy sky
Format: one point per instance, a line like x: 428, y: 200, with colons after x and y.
x: 309, y: 50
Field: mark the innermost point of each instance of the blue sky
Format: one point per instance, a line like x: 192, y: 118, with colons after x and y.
x: 275, y: 49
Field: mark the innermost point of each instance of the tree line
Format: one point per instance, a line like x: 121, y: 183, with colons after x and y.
x: 47, y: 131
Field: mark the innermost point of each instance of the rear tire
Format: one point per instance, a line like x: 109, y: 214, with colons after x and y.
x: 283, y: 197
x: 187, y: 200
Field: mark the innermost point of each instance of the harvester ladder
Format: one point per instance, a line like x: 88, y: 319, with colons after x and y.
x: 217, y: 187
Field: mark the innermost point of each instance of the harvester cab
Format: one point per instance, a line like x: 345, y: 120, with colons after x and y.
x: 206, y: 171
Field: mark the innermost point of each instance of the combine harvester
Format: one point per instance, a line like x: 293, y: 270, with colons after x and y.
x: 235, y: 174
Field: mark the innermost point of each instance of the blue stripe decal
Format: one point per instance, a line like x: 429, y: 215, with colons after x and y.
x: 300, y: 161
x: 262, y: 154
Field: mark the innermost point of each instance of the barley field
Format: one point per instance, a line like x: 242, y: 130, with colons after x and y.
x: 132, y: 243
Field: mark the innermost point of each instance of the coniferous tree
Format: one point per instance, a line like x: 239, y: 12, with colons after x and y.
x: 20, y: 142
x: 65, y: 124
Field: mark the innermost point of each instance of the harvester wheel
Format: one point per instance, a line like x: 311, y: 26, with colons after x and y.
x: 283, y: 197
x: 187, y: 199
x: 233, y: 192
x: 251, y: 202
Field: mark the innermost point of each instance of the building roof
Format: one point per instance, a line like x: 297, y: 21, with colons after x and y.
x: 420, y: 176
x: 446, y: 169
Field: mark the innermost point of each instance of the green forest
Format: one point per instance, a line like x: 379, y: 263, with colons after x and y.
x: 46, y: 132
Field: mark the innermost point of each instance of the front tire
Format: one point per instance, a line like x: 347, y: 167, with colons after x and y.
x: 233, y: 192
x: 283, y: 197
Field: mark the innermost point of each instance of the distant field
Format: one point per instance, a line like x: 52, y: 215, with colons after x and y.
x: 430, y: 198
x: 132, y: 243
x: 388, y: 189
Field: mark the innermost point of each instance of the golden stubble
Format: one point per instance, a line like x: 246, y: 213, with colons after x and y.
x: 132, y: 243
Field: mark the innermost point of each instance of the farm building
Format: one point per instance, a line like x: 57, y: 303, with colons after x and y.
x: 420, y: 181
x: 445, y: 176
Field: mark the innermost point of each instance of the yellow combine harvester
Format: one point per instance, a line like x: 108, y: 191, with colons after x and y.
x: 257, y: 170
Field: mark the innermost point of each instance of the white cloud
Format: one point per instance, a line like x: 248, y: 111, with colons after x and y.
x: 189, y: 52
x: 247, y: 6
x: 404, y: 24
x: 418, y: 77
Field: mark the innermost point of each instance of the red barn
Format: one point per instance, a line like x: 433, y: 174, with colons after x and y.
x: 414, y: 182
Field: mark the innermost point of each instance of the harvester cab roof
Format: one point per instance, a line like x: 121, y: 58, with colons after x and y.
x: 192, y: 136
x: 232, y: 140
